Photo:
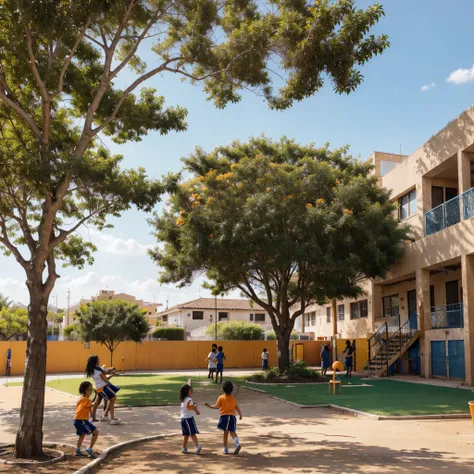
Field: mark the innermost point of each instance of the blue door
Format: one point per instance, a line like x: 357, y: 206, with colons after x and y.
x: 438, y: 359
x: 457, y: 369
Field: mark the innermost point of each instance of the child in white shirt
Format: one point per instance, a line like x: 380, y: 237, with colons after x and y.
x: 188, y: 425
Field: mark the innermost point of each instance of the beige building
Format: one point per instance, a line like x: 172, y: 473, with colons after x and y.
x: 421, y: 316
x: 195, y: 316
x: 152, y: 309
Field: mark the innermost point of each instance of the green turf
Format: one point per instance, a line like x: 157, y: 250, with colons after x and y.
x: 135, y: 390
x: 384, y: 397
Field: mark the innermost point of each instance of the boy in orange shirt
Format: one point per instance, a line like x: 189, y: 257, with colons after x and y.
x: 81, y: 420
x: 227, y: 404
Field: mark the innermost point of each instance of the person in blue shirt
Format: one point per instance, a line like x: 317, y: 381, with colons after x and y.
x: 220, y: 362
x: 325, y: 359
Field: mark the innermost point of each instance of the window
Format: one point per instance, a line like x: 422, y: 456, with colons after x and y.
x: 360, y: 309
x: 390, y: 306
x: 354, y: 310
x: 165, y: 319
x: 307, y: 320
x: 432, y: 296
x: 340, y: 312
x: 251, y: 317
x: 223, y: 316
x: 313, y: 318
x: 259, y: 317
x: 198, y: 314
x: 407, y: 205
x: 328, y: 314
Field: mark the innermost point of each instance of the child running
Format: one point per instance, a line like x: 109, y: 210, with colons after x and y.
x: 325, y: 359
x: 220, y: 362
x: 227, y: 404
x: 103, y: 387
x: 81, y: 420
x: 212, y: 362
x: 98, y: 399
x: 188, y: 424
x: 265, y: 360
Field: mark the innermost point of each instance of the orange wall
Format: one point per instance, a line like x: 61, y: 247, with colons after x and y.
x: 361, y: 351
x: 69, y: 356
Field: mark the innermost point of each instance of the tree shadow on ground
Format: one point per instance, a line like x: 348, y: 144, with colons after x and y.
x: 285, y: 453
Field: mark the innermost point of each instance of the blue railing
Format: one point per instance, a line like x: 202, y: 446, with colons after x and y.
x: 442, y: 216
x: 468, y: 203
x: 447, y: 316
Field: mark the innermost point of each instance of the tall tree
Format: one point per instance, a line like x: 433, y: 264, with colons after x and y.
x: 13, y: 323
x: 111, y: 322
x: 301, y: 224
x: 5, y: 302
x: 60, y: 66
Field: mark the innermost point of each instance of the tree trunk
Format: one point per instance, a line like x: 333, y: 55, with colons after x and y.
x: 111, y: 357
x: 29, y: 438
x: 283, y: 345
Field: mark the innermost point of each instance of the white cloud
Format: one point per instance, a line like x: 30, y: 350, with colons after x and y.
x: 107, y: 243
x: 14, y: 289
x: 461, y: 76
x: 427, y: 87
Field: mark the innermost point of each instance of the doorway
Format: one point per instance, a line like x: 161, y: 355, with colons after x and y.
x: 452, y: 292
x: 411, y: 302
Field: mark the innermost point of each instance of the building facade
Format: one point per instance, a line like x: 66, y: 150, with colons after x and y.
x: 197, y: 315
x: 427, y: 299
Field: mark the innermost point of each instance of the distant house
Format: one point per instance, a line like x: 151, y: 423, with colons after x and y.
x: 151, y: 308
x: 195, y: 316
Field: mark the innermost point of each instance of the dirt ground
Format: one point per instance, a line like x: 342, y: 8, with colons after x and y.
x: 276, y: 437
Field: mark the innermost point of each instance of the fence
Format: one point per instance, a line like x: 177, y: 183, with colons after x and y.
x: 447, y: 316
x: 68, y: 356
x: 442, y: 216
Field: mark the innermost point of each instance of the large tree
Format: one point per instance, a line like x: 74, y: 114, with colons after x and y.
x: 60, y: 66
x: 111, y: 322
x: 301, y: 224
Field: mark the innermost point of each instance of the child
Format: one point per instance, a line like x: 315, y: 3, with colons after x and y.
x: 212, y: 358
x: 103, y: 387
x: 227, y: 404
x: 220, y: 362
x: 325, y: 359
x: 110, y: 372
x: 188, y: 425
x: 81, y: 420
x: 348, y: 352
x: 265, y: 360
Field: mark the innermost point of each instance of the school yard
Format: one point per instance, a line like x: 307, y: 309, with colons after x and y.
x: 276, y: 436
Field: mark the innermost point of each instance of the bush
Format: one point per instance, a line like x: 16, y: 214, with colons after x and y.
x: 300, y: 369
x: 72, y: 332
x: 271, y: 336
x: 236, y: 331
x: 170, y: 333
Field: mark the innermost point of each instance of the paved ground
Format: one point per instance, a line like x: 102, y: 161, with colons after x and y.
x: 277, y: 437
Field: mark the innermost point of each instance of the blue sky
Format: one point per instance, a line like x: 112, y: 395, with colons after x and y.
x: 406, y: 97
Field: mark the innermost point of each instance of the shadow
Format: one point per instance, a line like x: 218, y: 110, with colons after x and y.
x: 283, y: 452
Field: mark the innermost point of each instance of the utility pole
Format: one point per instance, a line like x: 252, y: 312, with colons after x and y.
x: 68, y: 304
x: 215, y: 318
x: 56, y: 317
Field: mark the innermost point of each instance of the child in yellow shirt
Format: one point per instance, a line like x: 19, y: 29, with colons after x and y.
x: 227, y: 404
x: 81, y: 420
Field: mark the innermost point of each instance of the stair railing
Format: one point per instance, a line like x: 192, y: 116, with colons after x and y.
x: 405, y: 332
x: 377, y: 344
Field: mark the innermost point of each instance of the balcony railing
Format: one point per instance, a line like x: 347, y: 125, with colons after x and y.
x: 442, y: 216
x: 468, y: 203
x: 447, y: 316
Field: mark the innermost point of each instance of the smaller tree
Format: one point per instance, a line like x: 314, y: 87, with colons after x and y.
x: 72, y: 332
x: 236, y: 331
x: 271, y: 336
x: 111, y: 322
x: 13, y: 323
x: 4, y: 302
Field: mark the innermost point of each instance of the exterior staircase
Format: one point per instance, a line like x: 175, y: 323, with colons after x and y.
x: 385, y: 347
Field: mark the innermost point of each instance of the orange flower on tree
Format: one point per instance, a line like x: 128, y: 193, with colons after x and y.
x: 180, y: 221
x: 320, y: 201
x: 348, y: 212
x: 309, y: 205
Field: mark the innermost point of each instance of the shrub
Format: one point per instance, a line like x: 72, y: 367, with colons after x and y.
x: 236, y: 331
x: 271, y: 336
x: 170, y: 333
x: 72, y: 332
x: 300, y: 369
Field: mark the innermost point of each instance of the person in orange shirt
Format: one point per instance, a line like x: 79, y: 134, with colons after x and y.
x: 227, y: 404
x: 81, y: 420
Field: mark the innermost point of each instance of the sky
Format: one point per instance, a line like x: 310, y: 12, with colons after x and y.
x: 423, y: 81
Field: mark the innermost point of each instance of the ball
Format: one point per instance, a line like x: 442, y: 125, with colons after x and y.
x: 337, y: 366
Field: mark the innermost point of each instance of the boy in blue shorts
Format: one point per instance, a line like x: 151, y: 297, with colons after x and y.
x: 81, y: 420
x: 220, y: 362
x: 227, y: 404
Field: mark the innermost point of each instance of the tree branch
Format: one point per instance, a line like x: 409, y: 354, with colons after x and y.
x: 14, y: 250
x: 69, y: 57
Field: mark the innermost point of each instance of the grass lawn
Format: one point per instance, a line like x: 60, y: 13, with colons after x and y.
x: 385, y: 397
